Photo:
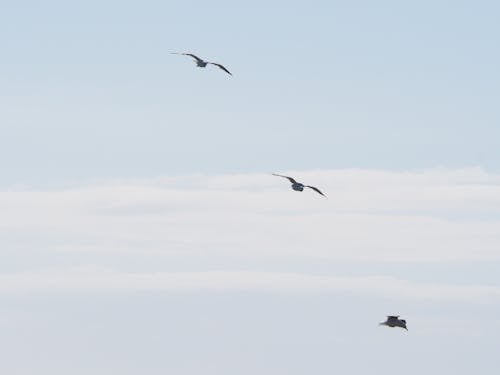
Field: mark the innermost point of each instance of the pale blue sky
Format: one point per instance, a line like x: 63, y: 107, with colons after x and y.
x: 141, y: 230
x: 89, y: 90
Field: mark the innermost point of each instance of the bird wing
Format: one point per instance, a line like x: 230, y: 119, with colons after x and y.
x: 289, y: 178
x: 221, y: 67
x: 316, y: 190
x: 188, y: 54
x: 392, y: 317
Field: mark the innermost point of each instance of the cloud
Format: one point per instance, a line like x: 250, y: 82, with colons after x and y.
x: 105, y: 280
x: 435, y: 215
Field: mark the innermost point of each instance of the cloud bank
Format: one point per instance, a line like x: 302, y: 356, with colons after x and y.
x: 438, y: 215
x: 101, y: 280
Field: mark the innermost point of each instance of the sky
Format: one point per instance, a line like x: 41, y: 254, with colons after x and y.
x: 141, y: 230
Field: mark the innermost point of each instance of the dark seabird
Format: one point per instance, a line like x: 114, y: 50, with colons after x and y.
x: 297, y: 186
x: 202, y: 63
x: 394, y: 321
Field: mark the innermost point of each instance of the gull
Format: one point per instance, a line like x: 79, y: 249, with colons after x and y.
x: 394, y: 321
x: 202, y: 63
x: 297, y: 186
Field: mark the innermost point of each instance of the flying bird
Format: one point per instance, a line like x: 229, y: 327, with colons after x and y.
x: 394, y: 321
x: 297, y: 186
x: 200, y: 63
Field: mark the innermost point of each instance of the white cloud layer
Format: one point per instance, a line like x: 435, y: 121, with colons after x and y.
x: 97, y: 279
x: 239, y: 266
x: 370, y: 216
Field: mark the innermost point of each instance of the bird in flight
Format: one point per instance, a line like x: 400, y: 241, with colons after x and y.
x: 297, y: 186
x: 394, y: 321
x: 200, y: 63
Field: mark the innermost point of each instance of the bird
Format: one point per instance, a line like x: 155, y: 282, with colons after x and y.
x: 200, y: 63
x: 297, y: 186
x: 394, y: 321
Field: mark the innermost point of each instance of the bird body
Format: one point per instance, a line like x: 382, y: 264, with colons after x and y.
x: 200, y: 63
x: 394, y: 321
x: 297, y: 186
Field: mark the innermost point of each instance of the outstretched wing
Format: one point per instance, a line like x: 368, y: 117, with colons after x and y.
x: 221, y: 67
x: 391, y: 318
x: 289, y: 178
x: 190, y: 55
x: 316, y: 190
